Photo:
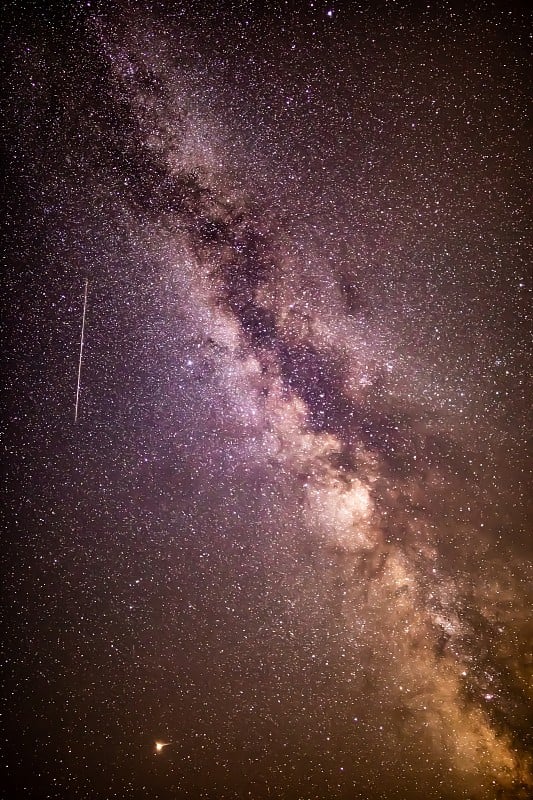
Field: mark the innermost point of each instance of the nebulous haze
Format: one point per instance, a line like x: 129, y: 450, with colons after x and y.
x: 285, y: 550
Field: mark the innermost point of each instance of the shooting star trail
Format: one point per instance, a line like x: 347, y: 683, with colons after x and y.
x: 81, y: 350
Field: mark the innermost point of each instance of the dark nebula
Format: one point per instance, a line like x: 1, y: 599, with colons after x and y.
x: 284, y: 551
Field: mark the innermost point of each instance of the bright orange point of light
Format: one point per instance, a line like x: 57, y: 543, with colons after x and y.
x: 159, y: 746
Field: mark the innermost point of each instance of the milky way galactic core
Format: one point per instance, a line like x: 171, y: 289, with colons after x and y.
x: 275, y: 541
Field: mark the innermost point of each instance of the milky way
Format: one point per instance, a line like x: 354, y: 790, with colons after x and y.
x: 284, y: 550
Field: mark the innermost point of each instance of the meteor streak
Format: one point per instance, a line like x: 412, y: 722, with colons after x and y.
x: 81, y: 350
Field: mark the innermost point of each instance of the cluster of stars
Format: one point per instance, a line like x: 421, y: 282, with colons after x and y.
x: 288, y: 529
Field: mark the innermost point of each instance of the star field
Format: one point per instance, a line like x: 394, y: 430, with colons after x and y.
x: 285, y: 550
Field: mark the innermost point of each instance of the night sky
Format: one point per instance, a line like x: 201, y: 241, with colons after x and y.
x: 288, y: 536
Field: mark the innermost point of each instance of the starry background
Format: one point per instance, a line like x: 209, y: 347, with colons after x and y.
x: 289, y: 533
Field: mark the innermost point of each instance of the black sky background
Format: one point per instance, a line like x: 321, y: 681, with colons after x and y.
x: 272, y: 206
